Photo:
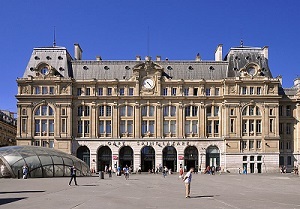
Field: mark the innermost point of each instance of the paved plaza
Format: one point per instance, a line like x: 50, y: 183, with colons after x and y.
x: 153, y: 191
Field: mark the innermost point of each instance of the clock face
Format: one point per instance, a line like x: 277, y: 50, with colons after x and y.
x: 148, y: 83
x: 251, y: 70
x: 44, y: 71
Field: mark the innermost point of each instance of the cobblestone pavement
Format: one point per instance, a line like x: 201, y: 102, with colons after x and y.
x: 153, y: 191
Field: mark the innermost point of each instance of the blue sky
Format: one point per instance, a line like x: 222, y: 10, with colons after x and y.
x: 118, y: 30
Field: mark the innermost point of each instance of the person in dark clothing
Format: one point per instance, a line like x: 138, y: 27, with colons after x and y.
x: 73, y: 175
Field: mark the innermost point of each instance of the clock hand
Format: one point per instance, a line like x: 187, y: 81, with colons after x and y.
x: 149, y: 83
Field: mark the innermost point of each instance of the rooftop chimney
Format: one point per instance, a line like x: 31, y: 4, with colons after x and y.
x: 266, y: 51
x: 138, y: 58
x: 297, y: 83
x: 98, y: 58
x: 77, y: 52
x: 218, y: 53
x: 198, y: 58
x: 148, y: 58
x: 158, y: 58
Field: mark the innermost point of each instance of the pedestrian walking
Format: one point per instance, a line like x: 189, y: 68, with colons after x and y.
x: 73, y: 175
x: 25, y: 171
x: 126, y: 172
x: 181, y: 173
x: 109, y: 172
x: 187, y: 181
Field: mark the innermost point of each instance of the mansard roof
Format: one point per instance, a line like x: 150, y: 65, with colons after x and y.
x: 62, y: 64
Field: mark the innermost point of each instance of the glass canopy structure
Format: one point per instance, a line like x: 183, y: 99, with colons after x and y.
x: 41, y: 162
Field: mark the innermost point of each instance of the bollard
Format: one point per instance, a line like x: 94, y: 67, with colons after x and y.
x: 18, y: 174
x: 101, y: 174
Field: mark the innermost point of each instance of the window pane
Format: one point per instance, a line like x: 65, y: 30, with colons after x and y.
x: 101, y: 111
x: 151, y: 110
x: 166, y: 127
x: 122, y: 126
x: 129, y: 110
x: 101, y: 127
x: 130, y: 126
x: 187, y: 126
x: 173, y: 110
x: 108, y: 110
x: 108, y: 127
x: 144, y: 110
x: 187, y: 111
x: 151, y: 126
x: 144, y: 127
x: 166, y: 110
x: 122, y: 110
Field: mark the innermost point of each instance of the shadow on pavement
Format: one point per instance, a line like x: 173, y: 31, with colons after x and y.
x: 25, y: 191
x: 203, y: 196
x: 4, y: 201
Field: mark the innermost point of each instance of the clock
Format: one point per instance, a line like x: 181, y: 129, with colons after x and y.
x: 44, y: 70
x: 251, y: 70
x: 148, y: 83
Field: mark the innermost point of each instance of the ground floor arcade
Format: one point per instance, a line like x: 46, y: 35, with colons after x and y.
x: 174, y: 154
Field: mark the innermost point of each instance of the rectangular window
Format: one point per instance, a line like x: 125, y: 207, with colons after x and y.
x: 37, y: 127
x: 207, y: 92
x: 51, y: 144
x: 122, y: 91
x: 37, y: 143
x: 44, y: 143
x: 186, y: 91
x: 216, y: 110
x: 245, y: 158
x: 280, y: 128
x: 187, y: 126
x: 271, y: 111
x: 108, y: 110
x: 209, y: 127
x: 289, y: 160
x: 194, y: 111
x: 101, y: 127
x: 258, y: 126
x: 151, y: 126
x: 288, y: 128
x: 231, y: 111
x: 122, y: 127
x: 281, y: 145
x: 24, y: 125
x: 288, y: 110
x: 63, y: 125
x: 208, y: 111
x: 173, y: 126
x: 195, y: 126
x: 195, y: 91
x: 108, y: 127
x: 44, y: 127
x: 258, y: 144
x: 271, y: 125
x: 251, y: 126
x: 165, y: 91
x: 251, y: 90
x: 144, y: 110
x: 144, y: 127
x: 109, y: 91
x: 79, y: 91
x: 231, y: 125
x: 251, y: 144
x: 44, y: 90
x: 258, y: 90
x: 151, y: 111
x: 63, y: 111
x: 217, y: 91
x: 100, y: 91
x: 166, y: 127
x: 88, y: 91
x: 288, y: 145
x: 79, y: 127
x: 244, y: 125
x: 51, y: 90
x: 216, y: 126
x: 174, y: 91
x: 130, y: 126
x: 37, y: 90
x: 51, y: 127
x: 244, y: 90
x: 244, y: 144
x: 130, y: 92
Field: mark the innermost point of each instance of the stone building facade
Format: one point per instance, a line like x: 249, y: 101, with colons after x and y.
x: 229, y: 112
x: 8, y: 128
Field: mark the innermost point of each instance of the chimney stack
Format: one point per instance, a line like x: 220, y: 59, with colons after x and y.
x: 77, y: 52
x: 138, y: 58
x: 98, y: 58
x: 158, y: 58
x: 266, y: 52
x: 198, y: 58
x: 218, y: 53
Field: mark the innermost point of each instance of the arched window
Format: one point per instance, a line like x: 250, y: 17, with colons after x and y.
x: 43, y: 123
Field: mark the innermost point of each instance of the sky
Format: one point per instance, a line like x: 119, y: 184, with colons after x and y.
x: 120, y: 30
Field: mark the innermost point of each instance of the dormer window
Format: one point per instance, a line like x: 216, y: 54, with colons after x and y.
x: 44, y: 71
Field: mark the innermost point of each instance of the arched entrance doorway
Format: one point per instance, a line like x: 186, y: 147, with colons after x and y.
x: 126, y: 157
x: 212, y: 156
x: 104, y: 157
x: 170, y: 158
x: 191, y: 158
x: 148, y: 158
x: 83, y: 153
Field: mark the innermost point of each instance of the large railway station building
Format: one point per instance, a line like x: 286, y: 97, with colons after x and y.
x: 229, y: 112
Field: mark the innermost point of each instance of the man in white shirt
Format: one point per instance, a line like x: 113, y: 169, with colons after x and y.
x: 187, y: 181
